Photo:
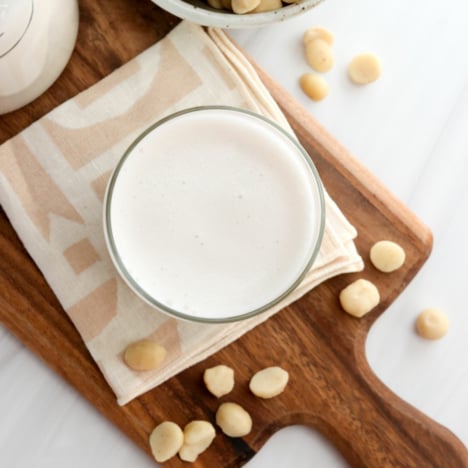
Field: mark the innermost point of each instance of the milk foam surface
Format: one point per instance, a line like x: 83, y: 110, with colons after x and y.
x: 215, y: 214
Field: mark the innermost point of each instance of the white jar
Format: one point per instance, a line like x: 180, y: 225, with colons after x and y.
x: 37, y: 38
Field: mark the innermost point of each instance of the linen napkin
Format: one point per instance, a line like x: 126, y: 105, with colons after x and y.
x: 53, y: 177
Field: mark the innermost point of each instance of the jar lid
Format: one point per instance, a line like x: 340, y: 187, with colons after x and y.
x: 15, y: 17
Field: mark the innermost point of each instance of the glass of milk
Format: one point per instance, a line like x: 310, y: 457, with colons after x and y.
x: 214, y: 214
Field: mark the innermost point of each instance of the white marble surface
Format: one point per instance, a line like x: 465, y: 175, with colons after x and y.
x: 411, y: 129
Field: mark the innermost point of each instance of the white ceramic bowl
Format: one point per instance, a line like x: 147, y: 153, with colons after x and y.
x: 198, y: 11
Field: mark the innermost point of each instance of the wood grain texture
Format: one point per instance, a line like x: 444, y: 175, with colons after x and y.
x: 332, y: 388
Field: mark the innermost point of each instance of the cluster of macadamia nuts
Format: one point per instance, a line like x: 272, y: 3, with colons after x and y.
x: 318, y: 41
x: 234, y: 420
x: 242, y: 7
x: 319, y: 55
x: 168, y: 439
x: 361, y: 296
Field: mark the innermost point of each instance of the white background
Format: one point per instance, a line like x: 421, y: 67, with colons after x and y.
x: 411, y: 129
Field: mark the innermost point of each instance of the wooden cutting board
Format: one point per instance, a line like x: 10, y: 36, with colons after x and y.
x: 332, y: 388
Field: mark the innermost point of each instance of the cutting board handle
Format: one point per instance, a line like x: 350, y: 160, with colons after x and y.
x: 333, y: 390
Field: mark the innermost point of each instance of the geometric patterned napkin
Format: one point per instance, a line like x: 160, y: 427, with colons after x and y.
x: 53, y: 177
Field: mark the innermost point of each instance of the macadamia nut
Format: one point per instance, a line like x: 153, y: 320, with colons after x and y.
x: 198, y: 436
x: 387, y: 256
x: 219, y: 380
x: 364, y: 69
x: 318, y: 33
x: 244, y: 6
x: 144, y: 355
x: 314, y: 86
x: 359, y: 298
x: 233, y: 420
x: 216, y: 4
x: 268, y: 5
x: 432, y: 323
x: 319, y: 55
x: 269, y: 382
x: 166, y: 440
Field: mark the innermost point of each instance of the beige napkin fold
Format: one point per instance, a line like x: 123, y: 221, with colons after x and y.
x: 53, y: 177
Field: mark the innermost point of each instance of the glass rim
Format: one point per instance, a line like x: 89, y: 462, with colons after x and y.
x: 148, y: 298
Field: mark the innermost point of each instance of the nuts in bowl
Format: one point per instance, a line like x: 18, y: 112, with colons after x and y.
x: 236, y: 13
